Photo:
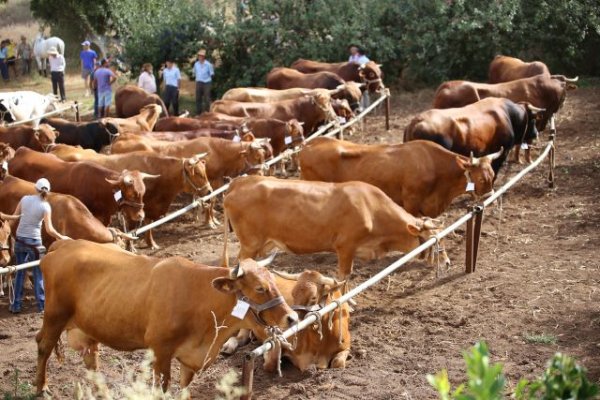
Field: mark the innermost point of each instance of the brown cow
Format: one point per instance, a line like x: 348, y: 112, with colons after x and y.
x: 103, y: 191
x: 442, y: 175
x: 352, y: 219
x: 69, y: 215
x: 130, y: 99
x: 180, y: 124
x: 40, y: 139
x: 6, y: 154
x: 481, y: 128
x: 506, y: 69
x: 6, y: 247
x: 131, y: 302
x: 142, y: 122
x: 177, y: 136
x: 309, y: 110
x: 308, y: 291
x: 174, y: 176
x: 369, y: 73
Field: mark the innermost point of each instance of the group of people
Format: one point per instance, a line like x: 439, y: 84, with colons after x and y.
x: 12, y: 54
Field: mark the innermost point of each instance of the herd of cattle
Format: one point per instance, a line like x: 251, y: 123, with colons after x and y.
x: 352, y: 199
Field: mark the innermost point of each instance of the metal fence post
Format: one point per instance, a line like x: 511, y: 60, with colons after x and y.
x: 387, y: 112
x: 473, y: 235
x: 77, y: 118
x: 247, y: 377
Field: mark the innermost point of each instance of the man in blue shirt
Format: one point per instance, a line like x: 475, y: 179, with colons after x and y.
x: 104, y: 77
x: 203, y: 71
x: 88, y: 60
x: 3, y: 57
x: 172, y: 79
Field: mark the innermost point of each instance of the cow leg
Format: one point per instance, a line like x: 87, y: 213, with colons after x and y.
x: 528, y: 155
x: 186, y: 374
x: 162, y: 368
x: 241, y: 339
x: 516, y: 154
x: 282, y: 169
x: 149, y: 238
x: 339, y: 360
x: 47, y: 339
x: 345, y: 263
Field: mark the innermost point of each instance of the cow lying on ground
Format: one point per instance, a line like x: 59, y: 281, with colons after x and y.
x: 103, y: 191
x: 309, y: 110
x: 174, y: 175
x: 24, y: 105
x: 352, y: 219
x: 89, y: 135
x: 308, y: 291
x: 442, y: 175
x: 506, y: 69
x: 130, y: 99
x: 115, y: 301
x: 481, y: 128
x: 143, y: 122
x: 69, y: 215
x: 40, y: 139
x: 369, y: 73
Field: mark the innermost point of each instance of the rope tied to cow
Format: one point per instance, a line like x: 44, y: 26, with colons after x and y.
x: 278, y: 343
x: 318, y: 325
x: 11, y: 288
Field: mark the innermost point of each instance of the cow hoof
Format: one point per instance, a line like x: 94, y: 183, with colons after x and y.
x: 338, y: 363
x: 230, y: 346
x: 45, y: 393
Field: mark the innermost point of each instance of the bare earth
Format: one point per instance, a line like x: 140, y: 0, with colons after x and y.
x: 537, y: 274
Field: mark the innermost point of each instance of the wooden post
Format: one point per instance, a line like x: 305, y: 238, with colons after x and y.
x: 473, y: 236
x: 552, y: 154
x: 77, y: 118
x: 387, y: 112
x: 247, y: 377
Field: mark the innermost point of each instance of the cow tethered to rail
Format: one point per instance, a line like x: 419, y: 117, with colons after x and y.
x: 473, y: 218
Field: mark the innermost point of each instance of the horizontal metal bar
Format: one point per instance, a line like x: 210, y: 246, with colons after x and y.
x: 51, y: 113
x: 19, y: 267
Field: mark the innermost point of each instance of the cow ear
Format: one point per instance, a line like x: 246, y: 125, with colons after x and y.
x: 224, y: 285
x: 248, y: 137
x: 413, y: 229
x: 463, y: 164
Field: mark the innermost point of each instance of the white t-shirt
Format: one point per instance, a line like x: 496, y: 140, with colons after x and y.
x: 33, y: 210
x: 57, y: 64
x: 147, y: 82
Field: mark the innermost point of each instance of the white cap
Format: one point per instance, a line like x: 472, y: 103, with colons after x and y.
x: 42, y: 184
x: 86, y: 43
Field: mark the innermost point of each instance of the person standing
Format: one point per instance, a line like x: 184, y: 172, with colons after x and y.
x: 203, y: 71
x: 172, y: 79
x: 57, y: 72
x: 3, y: 57
x: 104, y: 77
x: 357, y: 55
x: 88, y: 59
x: 32, y: 211
x: 147, y: 81
x: 11, y: 59
x: 24, y: 53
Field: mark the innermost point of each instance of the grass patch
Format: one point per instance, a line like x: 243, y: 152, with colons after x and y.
x: 541, y: 338
x: 20, y: 390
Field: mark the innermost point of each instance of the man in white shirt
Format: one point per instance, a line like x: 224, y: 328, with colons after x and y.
x: 57, y: 72
x: 172, y: 79
x: 203, y: 71
x: 146, y: 80
x: 357, y: 55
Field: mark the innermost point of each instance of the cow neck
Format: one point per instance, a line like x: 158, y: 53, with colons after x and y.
x: 186, y: 178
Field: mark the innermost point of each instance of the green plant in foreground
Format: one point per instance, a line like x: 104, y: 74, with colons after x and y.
x: 542, y: 338
x: 562, y: 379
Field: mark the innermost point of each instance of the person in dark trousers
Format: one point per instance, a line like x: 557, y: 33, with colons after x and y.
x: 3, y: 60
x: 25, y: 53
x: 203, y: 71
x: 172, y: 79
x: 57, y: 72
x: 32, y: 211
x: 94, y: 90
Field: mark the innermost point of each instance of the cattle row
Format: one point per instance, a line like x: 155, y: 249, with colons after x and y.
x: 352, y: 199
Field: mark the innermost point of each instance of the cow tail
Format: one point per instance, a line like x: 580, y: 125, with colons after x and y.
x: 225, y: 259
x: 59, y: 351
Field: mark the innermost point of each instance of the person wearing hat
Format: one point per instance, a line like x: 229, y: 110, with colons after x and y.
x: 32, y: 211
x: 24, y: 53
x: 357, y: 55
x: 57, y: 72
x: 104, y: 77
x: 203, y: 71
x: 172, y: 79
x: 88, y: 59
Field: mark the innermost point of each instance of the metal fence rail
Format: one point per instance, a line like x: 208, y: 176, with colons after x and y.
x: 473, y: 234
x: 74, y: 107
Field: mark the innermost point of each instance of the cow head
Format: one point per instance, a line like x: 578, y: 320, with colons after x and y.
x: 132, y: 188
x: 151, y: 113
x: 251, y: 282
x: 323, y: 102
x: 370, y: 73
x: 350, y: 91
x: 255, y: 152
x: 6, y: 154
x: 424, y: 229
x: 533, y: 117
x: 5, y: 245
x: 46, y: 136
x: 342, y: 109
x: 6, y: 111
x: 311, y: 288
x: 294, y: 129
x: 194, y: 173
x: 110, y: 129
x: 479, y: 171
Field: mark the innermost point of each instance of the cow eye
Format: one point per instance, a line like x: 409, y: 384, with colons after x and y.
x: 260, y: 289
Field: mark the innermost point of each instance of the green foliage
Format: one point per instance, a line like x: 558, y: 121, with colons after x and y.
x: 485, y: 381
x: 20, y: 390
x: 542, y: 338
x: 562, y: 379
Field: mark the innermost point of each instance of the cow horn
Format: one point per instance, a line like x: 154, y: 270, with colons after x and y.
x: 301, y: 123
x: 128, y: 180
x: 379, y: 65
x: 285, y: 275
x: 144, y: 175
x: 362, y: 85
x: 200, y: 156
x: 237, y: 272
x: 493, y: 156
x: 7, y: 217
x: 572, y: 80
x: 429, y: 223
x: 535, y: 109
x: 325, y: 280
x: 473, y: 160
x: 264, y: 263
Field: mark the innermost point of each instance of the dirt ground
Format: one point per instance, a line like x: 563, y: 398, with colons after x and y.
x: 537, y: 274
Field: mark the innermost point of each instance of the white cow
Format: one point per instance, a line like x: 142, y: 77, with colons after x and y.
x: 41, y: 47
x: 24, y: 105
